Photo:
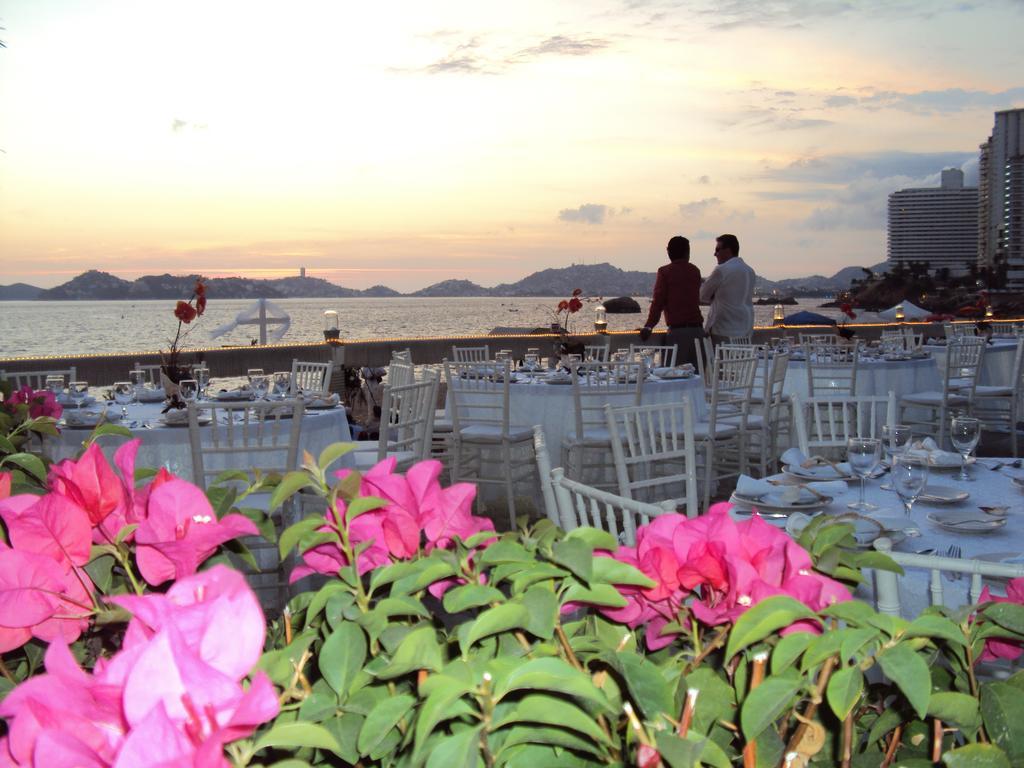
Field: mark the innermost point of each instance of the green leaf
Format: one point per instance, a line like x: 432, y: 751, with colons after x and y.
x: 976, y: 756
x: 576, y: 555
x: 419, y: 649
x: 541, y: 611
x: 931, y: 625
x: 852, y: 612
x: 675, y: 752
x: 290, y: 484
x: 107, y: 428
x: 459, y: 599
x: 765, y: 703
x: 788, y: 650
x: 878, y: 561
x: 647, y: 686
x: 319, y: 600
x: 460, y: 750
x: 844, y: 689
x: 1007, y: 615
x: 423, y: 573
x: 594, y: 538
x: 829, y: 536
x: 494, y: 620
x: 854, y: 640
x: 505, y: 550
x: 100, y: 570
x: 289, y: 736
x: 762, y: 619
x: 550, y: 674
x: 30, y: 463
x: 955, y: 708
x: 610, y: 571
x: 910, y: 672
x: 541, y: 708
x: 294, y: 533
x: 717, y: 699
x: 597, y: 594
x: 332, y: 453
x: 437, y: 707
x: 362, y: 505
x: 342, y: 656
x: 381, y: 719
x: 549, y: 734
x: 1002, y: 708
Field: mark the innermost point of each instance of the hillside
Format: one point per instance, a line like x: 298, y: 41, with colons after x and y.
x: 19, y: 292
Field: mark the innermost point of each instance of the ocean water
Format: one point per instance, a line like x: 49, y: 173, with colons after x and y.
x: 40, y: 328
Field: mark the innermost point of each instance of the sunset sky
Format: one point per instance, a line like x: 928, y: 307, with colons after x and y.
x: 408, y: 142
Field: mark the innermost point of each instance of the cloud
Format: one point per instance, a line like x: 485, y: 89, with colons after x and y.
x: 588, y: 213
x: 698, y: 207
x: 461, y: 59
x: 797, y: 14
x: 179, y: 126
x: 474, y: 58
x: 704, y: 180
x: 559, y: 45
x: 930, y: 102
x: 843, y: 168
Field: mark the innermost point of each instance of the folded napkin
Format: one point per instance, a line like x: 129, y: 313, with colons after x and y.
x: 325, y: 402
x: 558, y: 377
x: 928, y: 450
x: 77, y: 418
x: 65, y: 398
x: 176, y: 416
x: 754, y: 488
x: 150, y: 395
x: 243, y: 392
x: 794, y: 457
x: 679, y: 372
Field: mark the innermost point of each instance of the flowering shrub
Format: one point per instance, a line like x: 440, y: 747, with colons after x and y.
x: 185, y: 312
x: 24, y: 413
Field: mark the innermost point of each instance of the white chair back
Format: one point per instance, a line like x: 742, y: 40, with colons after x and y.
x: 887, y: 583
x: 598, y: 353
x: 401, y: 371
x: 261, y: 435
x: 594, y: 385
x: 740, y: 339
x: 407, y: 421
x: 705, y: 355
x: 37, y: 379
x: 152, y: 372
x: 823, y: 424
x: 831, y: 368
x: 547, y: 491
x: 477, y: 398
x: 308, y: 377
x: 471, y: 354
x: 582, y: 505
x: 818, y: 338
x: 963, y: 365
x: 655, y: 456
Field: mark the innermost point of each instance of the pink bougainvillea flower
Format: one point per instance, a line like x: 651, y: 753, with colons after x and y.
x: 327, y: 558
x: 185, y: 312
x: 89, y: 482
x: 998, y: 648
x: 50, y: 525
x: 5, y: 485
x: 181, y: 530
x: 40, y: 402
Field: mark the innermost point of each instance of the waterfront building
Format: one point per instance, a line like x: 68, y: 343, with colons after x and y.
x: 937, y: 226
x: 1001, y: 197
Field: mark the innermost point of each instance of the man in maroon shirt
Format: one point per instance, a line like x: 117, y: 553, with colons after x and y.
x: 677, y: 294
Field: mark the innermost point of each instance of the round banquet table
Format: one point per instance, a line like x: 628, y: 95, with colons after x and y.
x: 551, y: 405
x: 168, y: 446
x: 996, y: 366
x: 874, y: 376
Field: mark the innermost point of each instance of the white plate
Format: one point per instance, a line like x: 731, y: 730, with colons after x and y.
x: 89, y: 419
x: 966, y: 521
x: 68, y: 402
x: 821, y: 472
x: 1018, y: 482
x: 151, y: 395
x: 942, y: 494
x: 231, y: 395
x: 773, y: 503
x: 942, y: 461
x: 182, y: 423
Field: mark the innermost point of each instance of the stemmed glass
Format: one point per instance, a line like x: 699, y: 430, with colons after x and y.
x: 282, y: 384
x: 203, y: 379
x: 55, y: 383
x: 863, y: 453
x: 965, y: 433
x: 188, y: 389
x: 909, y: 478
x: 895, y: 440
x: 259, y: 386
x: 79, y: 390
x: 124, y: 393
x: 139, y: 379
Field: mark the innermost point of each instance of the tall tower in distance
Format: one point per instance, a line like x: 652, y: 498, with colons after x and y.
x: 936, y: 226
x: 1001, y: 197
x: 302, y: 271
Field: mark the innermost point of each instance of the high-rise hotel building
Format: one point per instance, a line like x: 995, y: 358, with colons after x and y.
x: 1001, y: 197
x: 937, y: 226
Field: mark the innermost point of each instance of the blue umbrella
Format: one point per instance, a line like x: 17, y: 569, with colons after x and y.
x: 808, y: 318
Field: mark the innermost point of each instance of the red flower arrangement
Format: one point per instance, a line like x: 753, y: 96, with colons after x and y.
x: 186, y: 312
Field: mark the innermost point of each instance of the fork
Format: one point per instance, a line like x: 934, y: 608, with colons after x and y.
x: 955, y: 553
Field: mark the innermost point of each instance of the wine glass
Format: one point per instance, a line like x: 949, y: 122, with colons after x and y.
x: 909, y: 478
x: 55, y: 383
x: 863, y: 453
x: 282, y: 384
x: 124, y: 393
x: 895, y: 439
x: 138, y: 378
x: 203, y: 379
x: 188, y: 389
x: 259, y: 386
x: 79, y: 390
x: 530, y: 361
x: 965, y: 433
x: 254, y: 372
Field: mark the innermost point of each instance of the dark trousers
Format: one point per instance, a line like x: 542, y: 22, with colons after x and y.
x: 683, y: 338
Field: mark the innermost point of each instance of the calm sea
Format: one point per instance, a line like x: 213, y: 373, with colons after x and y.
x: 38, y: 328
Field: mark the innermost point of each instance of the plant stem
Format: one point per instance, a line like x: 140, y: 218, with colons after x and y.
x: 566, y: 648
x: 847, y: 740
x: 819, y: 691
x: 756, y: 677
x: 894, y: 743
x: 6, y: 672
x: 936, y: 740
x: 715, y: 644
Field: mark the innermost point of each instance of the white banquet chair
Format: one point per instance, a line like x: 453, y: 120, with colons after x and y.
x: 482, y: 432
x: 770, y: 414
x: 310, y: 377
x: 471, y: 354
x: 594, y: 385
x: 655, y: 455
x: 406, y: 425
x: 151, y: 372
x: 36, y: 379
x: 547, y: 490
x: 260, y: 436
x: 930, y: 410
x: 887, y: 583
x: 824, y: 424
x: 598, y: 353
x: 583, y: 505
x: 831, y: 368
x: 998, y: 405
x: 663, y: 356
x: 401, y: 371
x: 705, y: 353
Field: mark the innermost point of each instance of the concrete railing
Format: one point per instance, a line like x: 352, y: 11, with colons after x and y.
x: 105, y: 369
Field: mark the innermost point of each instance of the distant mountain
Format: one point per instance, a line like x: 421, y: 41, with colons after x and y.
x: 453, y: 288
x: 19, y: 292
x: 816, y: 285
x: 593, y: 279
x: 379, y: 292
x: 90, y: 285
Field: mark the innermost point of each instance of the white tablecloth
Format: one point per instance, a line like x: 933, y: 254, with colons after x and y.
x: 874, y: 377
x: 996, y: 367
x: 551, y: 405
x: 164, y: 446
x: 990, y: 488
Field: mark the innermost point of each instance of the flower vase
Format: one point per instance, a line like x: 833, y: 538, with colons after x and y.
x: 170, y: 387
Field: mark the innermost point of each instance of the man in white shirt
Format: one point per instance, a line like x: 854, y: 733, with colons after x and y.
x: 730, y: 292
